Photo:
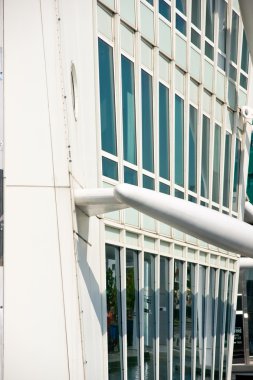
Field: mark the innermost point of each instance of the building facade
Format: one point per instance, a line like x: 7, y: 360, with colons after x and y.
x: 99, y: 93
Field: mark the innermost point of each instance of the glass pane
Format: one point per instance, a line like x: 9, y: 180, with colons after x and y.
x: 245, y: 54
x: 164, y: 138
x: 222, y: 12
x: 110, y: 168
x: 179, y: 194
x: 132, y: 309
x: 149, y: 317
x: 238, y: 352
x: 148, y: 182
x: 196, y: 13
x: 209, y: 50
x: 210, y: 19
x: 130, y: 176
x: 228, y: 327
x: 190, y: 310
x: 164, y: 9
x: 243, y: 81
x: 180, y: 24
x: 181, y: 6
x: 150, y: 1
x: 179, y: 141
x: 192, y: 183
x: 205, y: 157
x: 236, y: 174
x: 232, y: 72
x: 221, y: 62
x: 163, y: 188
x: 113, y: 312
x: 128, y: 110
x: 249, y: 293
x: 200, y: 321
x: 227, y: 168
x: 216, y: 163
x: 195, y: 38
x: 234, y: 37
x: 177, y: 319
x: 210, y: 333
x: 107, y: 102
x: 147, y: 121
x: 164, y: 318
x: 220, y: 325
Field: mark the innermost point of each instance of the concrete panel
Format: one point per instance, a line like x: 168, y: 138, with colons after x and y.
x: 28, y: 159
x: 34, y: 328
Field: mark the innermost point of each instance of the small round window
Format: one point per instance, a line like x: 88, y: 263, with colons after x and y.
x: 74, y: 91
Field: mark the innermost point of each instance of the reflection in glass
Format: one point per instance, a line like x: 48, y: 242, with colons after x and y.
x: 210, y: 324
x: 190, y: 310
x: 107, y: 102
x: 132, y: 309
x: 236, y: 174
x: 200, y: 320
x: 149, y: 317
x: 227, y: 167
x: 148, y: 182
x: 179, y: 141
x: 228, y: 326
x: 222, y: 11
x: 249, y: 293
x: 128, y: 110
x: 163, y: 188
x: 195, y: 38
x: 164, y: 319
x: 205, y: 157
x: 180, y: 24
x: 113, y: 312
x: 210, y: 19
x: 216, y: 163
x: 164, y: 138
x: 147, y: 122
x: 196, y: 13
x: 245, y: 54
x: 177, y: 319
x: 220, y: 325
x: 192, y: 184
x: 109, y: 168
x: 234, y: 37
x: 181, y: 6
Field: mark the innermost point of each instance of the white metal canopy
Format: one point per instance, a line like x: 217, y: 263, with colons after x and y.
x: 203, y: 223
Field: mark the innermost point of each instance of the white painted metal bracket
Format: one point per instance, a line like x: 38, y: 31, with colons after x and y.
x: 203, y: 223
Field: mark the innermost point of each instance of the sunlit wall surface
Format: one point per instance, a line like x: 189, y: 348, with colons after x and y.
x: 171, y: 78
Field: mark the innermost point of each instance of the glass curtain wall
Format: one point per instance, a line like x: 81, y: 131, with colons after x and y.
x: 147, y: 121
x: 228, y: 327
x: 179, y: 141
x: 192, y: 175
x: 132, y: 313
x: 107, y: 101
x: 216, y: 163
x: 205, y: 157
x: 149, y: 317
x: 227, y: 170
x: 164, y: 132
x: 128, y: 110
x: 113, y: 300
x: 201, y: 317
x: 177, y: 319
x: 220, y: 326
x: 190, y: 332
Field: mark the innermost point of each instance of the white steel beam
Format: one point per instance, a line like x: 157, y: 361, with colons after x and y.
x: 203, y: 223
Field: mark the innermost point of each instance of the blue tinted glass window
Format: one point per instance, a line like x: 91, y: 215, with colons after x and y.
x: 164, y: 140
x: 234, y: 37
x: 205, y: 157
x: 196, y: 13
x: 195, y: 38
x: 216, y: 164
x: 107, y: 102
x: 210, y: 19
x: 164, y: 9
x: 148, y: 182
x: 245, y: 54
x: 192, y: 199
x: 181, y: 24
x: 209, y: 50
x: 179, y: 141
x: 236, y: 174
x: 179, y: 194
x: 130, y: 176
x: 163, y: 188
x: 181, y: 6
x: 243, y: 81
x: 227, y: 167
x: 128, y: 110
x: 150, y: 1
x: 147, y: 122
x: 110, y: 168
x: 192, y: 183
